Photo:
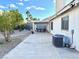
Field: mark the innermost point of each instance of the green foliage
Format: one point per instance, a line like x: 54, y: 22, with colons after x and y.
x: 29, y: 16
x: 35, y: 19
x: 9, y: 19
x: 27, y: 12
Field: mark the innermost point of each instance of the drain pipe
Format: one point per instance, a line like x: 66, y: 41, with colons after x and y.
x: 72, y: 33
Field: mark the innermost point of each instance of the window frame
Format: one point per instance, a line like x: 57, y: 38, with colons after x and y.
x: 65, y: 23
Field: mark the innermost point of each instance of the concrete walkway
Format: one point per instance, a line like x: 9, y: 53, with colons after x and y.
x: 39, y: 46
x: 36, y: 46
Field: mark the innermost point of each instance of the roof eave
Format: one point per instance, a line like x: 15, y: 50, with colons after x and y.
x: 63, y: 10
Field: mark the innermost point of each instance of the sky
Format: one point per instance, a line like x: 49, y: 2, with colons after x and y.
x: 38, y: 8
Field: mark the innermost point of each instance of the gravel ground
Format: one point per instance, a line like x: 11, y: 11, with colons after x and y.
x: 7, y: 46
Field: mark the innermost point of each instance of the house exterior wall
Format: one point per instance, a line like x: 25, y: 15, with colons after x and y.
x: 49, y: 27
x: 59, y: 5
x: 73, y: 25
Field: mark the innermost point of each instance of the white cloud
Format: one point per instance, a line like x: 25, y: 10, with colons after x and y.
x: 28, y: 8
x: 21, y: 0
x: 2, y: 7
x: 54, y: 1
x: 21, y: 4
x: 40, y: 8
x: 26, y: 0
x: 12, y: 6
x: 35, y: 7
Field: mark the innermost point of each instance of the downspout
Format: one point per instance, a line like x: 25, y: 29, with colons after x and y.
x: 72, y: 33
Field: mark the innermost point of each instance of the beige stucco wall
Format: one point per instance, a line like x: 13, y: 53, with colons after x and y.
x: 73, y: 25
x: 49, y: 27
x: 59, y: 5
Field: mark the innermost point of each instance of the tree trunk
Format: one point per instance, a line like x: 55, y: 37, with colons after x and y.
x: 7, y: 36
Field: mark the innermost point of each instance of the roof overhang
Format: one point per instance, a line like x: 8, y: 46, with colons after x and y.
x: 64, y: 10
x: 40, y: 22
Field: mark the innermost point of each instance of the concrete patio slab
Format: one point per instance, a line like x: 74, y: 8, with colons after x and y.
x: 36, y: 46
x: 39, y: 46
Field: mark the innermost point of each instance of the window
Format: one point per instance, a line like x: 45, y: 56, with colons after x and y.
x: 51, y: 25
x: 65, y: 23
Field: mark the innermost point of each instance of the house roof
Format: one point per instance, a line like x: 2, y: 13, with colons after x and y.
x: 58, y: 13
x: 40, y: 21
x: 62, y: 11
x: 65, y: 9
x: 46, y: 20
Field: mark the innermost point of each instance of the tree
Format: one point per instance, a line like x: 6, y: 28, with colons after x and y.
x: 29, y: 16
x: 8, y: 20
x: 36, y: 19
x: 30, y: 20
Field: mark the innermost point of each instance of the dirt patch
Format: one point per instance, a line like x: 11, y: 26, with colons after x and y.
x: 8, y: 46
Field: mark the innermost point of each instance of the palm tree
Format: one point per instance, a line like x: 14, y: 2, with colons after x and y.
x: 29, y: 16
x: 28, y: 13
